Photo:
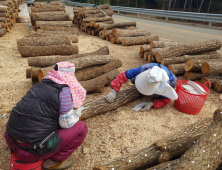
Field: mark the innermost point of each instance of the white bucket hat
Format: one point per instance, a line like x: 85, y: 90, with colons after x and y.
x: 154, y: 81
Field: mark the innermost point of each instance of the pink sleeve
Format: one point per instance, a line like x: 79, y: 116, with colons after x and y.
x: 117, y: 83
x: 157, y: 103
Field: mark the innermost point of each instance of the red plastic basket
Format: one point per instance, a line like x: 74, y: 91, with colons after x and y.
x: 187, y: 102
x: 16, y: 164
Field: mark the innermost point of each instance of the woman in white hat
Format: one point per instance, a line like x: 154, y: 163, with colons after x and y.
x: 149, y: 79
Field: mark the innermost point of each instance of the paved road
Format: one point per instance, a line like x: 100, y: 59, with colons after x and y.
x: 169, y: 31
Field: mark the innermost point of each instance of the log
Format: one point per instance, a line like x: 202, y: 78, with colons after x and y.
x: 145, y: 55
x: 99, y: 19
x: 116, y: 25
x: 211, y: 67
x: 74, y: 38
x: 215, y: 80
x: 44, y: 41
x: 45, y: 61
x: 175, y: 145
x: 185, y: 58
x: 1, y: 33
x: 92, y: 72
x: 53, y: 23
x: 105, y: 6
x: 193, y: 76
x: 108, y: 12
x: 170, y: 165
x: 145, y: 48
x: 113, y: 40
x: 79, y: 63
x: 51, y: 28
x: 97, y: 24
x: 3, y: 9
x: 97, y: 84
x: 53, y: 17
x: 6, y: 15
x: 177, y: 69
x: 194, y: 65
x: 193, y: 48
x: 91, y: 11
x: 161, y: 44
x: 52, y: 8
x: 206, y: 153
x: 138, y: 40
x: 32, y: 51
x: 130, y: 32
x: 2, y: 19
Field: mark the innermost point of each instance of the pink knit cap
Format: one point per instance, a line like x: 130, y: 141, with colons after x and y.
x: 68, y: 77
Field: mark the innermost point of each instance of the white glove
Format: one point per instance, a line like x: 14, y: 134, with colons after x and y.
x: 79, y: 111
x: 144, y: 106
x: 111, y: 96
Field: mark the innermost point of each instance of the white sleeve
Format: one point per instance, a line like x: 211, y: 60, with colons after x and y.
x: 68, y: 120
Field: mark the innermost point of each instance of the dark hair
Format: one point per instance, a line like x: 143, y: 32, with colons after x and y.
x: 56, y: 67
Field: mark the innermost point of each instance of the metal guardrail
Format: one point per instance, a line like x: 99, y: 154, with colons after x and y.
x: 204, y: 17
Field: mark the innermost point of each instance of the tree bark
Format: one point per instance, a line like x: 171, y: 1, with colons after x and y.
x: 175, y: 145
x: 145, y: 55
x: 117, y: 25
x: 119, y: 40
x: 206, y: 152
x: 193, y: 76
x: 211, y: 67
x: 145, y: 48
x: 32, y: 51
x: 45, y: 61
x: 138, y: 40
x: 194, y: 65
x: 44, y: 41
x: 52, y: 28
x: 194, y: 48
x: 3, y: 9
x: 177, y: 69
x: 52, y: 17
x: 161, y: 44
x: 100, y: 19
x: 97, y: 84
x: 74, y: 38
x: 53, y: 8
x: 2, y: 19
x: 98, y: 24
x: 83, y: 13
x: 53, y: 23
x: 215, y: 81
x: 170, y: 165
x: 113, y: 40
x: 185, y: 58
x: 108, y: 12
x: 79, y: 63
x: 95, y: 71
x: 130, y: 33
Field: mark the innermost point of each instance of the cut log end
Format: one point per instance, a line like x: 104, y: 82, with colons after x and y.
x: 217, y: 86
x: 158, y: 57
x: 151, y: 44
x: 205, y: 68
x: 188, y: 75
x: 40, y: 75
x: 189, y: 65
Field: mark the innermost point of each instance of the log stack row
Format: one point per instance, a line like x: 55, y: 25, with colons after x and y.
x: 98, y: 21
x: 8, y: 14
x: 93, y: 70
x: 49, y: 12
x: 195, y: 61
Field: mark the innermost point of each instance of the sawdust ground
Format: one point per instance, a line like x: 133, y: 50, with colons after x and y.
x: 111, y: 135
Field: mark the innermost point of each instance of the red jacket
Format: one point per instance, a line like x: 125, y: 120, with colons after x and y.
x: 121, y: 78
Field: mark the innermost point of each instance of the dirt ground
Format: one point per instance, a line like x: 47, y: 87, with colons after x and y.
x: 111, y: 135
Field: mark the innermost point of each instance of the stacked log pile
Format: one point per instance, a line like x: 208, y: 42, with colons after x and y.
x: 198, y: 146
x: 93, y: 70
x: 8, y: 14
x: 49, y: 12
x: 196, y: 61
x: 98, y: 21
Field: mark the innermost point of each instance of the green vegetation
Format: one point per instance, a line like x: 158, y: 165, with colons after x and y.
x: 204, y: 6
